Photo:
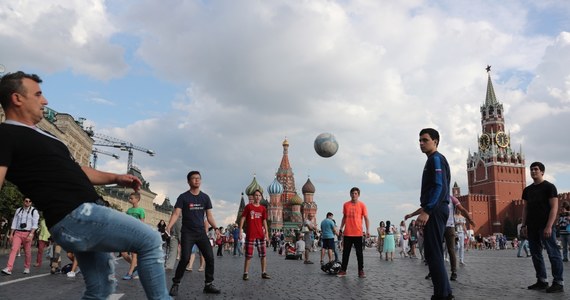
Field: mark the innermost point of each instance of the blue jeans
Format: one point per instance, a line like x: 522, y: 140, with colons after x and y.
x: 237, y: 247
x: 92, y: 231
x: 523, y: 246
x: 565, y: 238
x: 536, y: 240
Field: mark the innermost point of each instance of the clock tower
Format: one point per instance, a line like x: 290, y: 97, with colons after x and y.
x: 496, y: 172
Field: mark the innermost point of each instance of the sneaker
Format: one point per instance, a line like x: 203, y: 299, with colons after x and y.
x: 453, y: 276
x: 71, y: 274
x: 555, y: 288
x: 211, y: 289
x: 341, y: 273
x: 539, y: 285
x: 173, y: 290
x: 7, y: 271
x: 26, y: 271
x: 245, y: 276
x: 361, y: 274
x: 428, y: 276
x: 308, y: 262
x: 128, y: 276
x: 265, y: 276
x: 135, y: 275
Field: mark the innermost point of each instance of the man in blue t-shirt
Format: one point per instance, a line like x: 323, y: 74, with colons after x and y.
x: 328, y: 232
x: 196, y: 209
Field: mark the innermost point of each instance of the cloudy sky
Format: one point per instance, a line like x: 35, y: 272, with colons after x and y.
x: 218, y: 85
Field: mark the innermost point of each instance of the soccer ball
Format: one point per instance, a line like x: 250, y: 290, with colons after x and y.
x: 326, y: 145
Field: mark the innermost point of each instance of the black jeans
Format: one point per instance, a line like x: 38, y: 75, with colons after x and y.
x: 203, y: 244
x: 348, y: 241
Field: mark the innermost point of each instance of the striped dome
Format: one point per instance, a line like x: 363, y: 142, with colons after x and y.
x: 252, y: 187
x: 275, y: 188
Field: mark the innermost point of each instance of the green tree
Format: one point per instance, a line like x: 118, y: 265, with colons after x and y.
x: 10, y: 200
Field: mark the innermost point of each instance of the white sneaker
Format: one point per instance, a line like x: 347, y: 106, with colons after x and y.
x: 26, y: 271
x: 71, y: 274
x: 7, y: 271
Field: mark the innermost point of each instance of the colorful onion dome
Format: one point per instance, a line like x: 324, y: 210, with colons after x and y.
x: 252, y: 187
x: 275, y: 188
x: 296, y: 200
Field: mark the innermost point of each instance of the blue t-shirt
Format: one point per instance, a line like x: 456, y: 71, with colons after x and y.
x: 193, y: 211
x: 327, y: 229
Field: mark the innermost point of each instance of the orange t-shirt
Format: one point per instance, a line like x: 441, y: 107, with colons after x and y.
x: 353, y: 213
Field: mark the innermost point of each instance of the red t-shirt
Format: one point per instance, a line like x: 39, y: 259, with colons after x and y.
x: 254, y: 216
x: 353, y: 213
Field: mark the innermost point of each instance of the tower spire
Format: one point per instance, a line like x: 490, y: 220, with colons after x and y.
x: 490, y: 98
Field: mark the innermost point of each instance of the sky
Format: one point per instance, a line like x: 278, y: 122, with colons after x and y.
x: 216, y: 86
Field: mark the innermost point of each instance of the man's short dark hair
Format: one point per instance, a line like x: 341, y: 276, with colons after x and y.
x: 433, y: 134
x: 329, y: 214
x: 12, y: 83
x: 192, y: 173
x: 539, y: 165
x: 355, y: 189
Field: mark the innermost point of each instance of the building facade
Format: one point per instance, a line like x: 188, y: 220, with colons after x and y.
x: 80, y: 144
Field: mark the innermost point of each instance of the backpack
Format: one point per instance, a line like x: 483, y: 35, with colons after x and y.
x: 66, y: 269
x: 332, y: 267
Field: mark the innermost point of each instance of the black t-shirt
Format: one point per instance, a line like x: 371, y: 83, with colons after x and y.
x: 537, y: 198
x: 193, y: 212
x: 42, y: 168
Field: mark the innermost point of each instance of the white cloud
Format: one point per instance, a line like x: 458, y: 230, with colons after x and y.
x: 371, y: 72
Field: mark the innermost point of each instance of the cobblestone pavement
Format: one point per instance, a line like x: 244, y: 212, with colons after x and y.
x: 488, y: 274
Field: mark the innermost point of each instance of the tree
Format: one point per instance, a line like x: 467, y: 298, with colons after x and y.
x: 10, y: 200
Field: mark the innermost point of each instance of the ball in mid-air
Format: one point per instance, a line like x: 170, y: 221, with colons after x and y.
x: 326, y: 145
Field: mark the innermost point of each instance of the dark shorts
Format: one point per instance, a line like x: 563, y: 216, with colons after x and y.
x: 328, y: 244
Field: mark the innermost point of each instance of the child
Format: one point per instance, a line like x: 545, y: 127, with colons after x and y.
x: 137, y: 212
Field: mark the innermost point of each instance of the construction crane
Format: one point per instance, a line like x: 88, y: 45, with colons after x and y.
x: 107, y: 141
x: 96, y: 153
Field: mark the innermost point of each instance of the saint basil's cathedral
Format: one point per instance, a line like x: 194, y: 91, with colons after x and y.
x: 286, y: 210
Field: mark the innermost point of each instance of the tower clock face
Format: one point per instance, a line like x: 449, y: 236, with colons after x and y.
x: 502, y: 139
x: 484, y: 141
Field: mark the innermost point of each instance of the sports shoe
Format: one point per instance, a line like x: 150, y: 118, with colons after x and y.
x: 428, y: 276
x: 308, y: 262
x: 555, y: 288
x: 7, y: 271
x: 211, y: 289
x: 128, y: 276
x: 245, y: 276
x: 26, y: 271
x: 361, y: 274
x: 71, y: 274
x: 539, y: 285
x: 265, y: 276
x: 341, y: 273
x: 453, y: 276
x: 173, y: 290
x: 135, y: 274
